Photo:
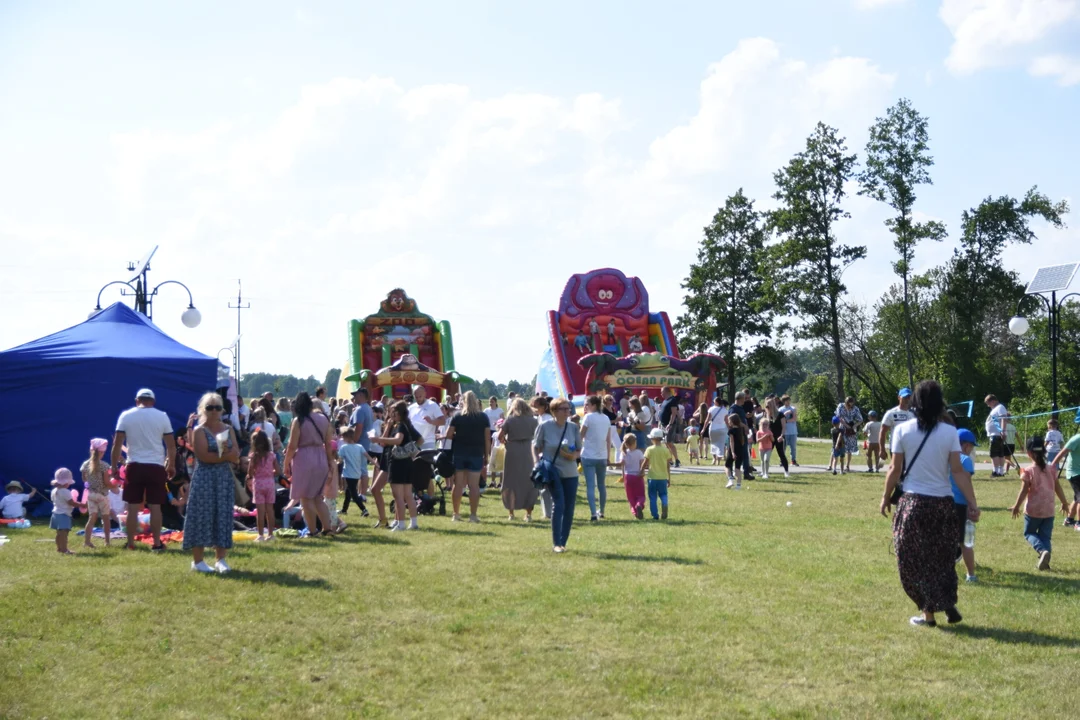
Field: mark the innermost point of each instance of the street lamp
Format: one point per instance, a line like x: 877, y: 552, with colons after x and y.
x: 144, y: 299
x: 1048, y: 280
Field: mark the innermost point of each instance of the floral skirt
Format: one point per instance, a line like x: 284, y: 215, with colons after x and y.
x: 924, y: 533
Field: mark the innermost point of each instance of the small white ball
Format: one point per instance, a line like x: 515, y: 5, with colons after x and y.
x: 789, y: 503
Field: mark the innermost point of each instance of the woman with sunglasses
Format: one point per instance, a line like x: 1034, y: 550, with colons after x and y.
x: 560, y: 440
x: 208, y: 521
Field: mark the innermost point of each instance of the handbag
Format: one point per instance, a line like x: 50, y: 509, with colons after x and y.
x: 898, y: 491
x: 405, y: 451
x: 544, y: 472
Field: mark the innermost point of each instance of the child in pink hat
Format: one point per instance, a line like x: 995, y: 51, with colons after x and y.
x: 64, y: 502
x: 96, y: 477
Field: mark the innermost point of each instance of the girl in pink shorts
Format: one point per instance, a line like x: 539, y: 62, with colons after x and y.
x: 633, y: 482
x: 262, y: 469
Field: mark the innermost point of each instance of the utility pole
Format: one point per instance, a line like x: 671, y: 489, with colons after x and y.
x: 236, y: 351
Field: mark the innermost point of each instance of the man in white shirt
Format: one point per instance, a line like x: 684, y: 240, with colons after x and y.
x: 151, y: 459
x: 899, y: 414
x: 320, y: 401
x: 595, y: 452
x: 425, y: 415
x: 996, y: 423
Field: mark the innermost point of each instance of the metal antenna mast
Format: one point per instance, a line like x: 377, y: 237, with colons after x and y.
x: 238, y: 308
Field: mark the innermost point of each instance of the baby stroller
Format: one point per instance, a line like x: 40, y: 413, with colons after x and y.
x: 423, y: 471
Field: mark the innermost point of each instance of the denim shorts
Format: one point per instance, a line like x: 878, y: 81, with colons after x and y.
x: 468, y: 463
x: 60, y: 522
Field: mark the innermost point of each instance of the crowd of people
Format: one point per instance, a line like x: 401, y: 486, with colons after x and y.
x: 280, y: 464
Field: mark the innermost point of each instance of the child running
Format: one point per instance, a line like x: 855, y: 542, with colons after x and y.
x: 95, y: 477
x: 633, y: 482
x: 1040, y: 484
x: 693, y: 445
x: 657, y: 462
x: 64, y: 502
x: 765, y: 447
x: 262, y: 469
x: 873, y: 447
x: 839, y: 443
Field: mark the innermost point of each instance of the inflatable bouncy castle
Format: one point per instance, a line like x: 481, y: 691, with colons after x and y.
x: 603, y: 338
x: 397, y: 347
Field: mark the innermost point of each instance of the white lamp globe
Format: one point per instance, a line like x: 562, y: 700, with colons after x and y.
x: 1018, y: 325
x: 191, y: 317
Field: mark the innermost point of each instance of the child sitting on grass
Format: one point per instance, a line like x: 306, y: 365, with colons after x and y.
x: 64, y: 502
x: 656, y: 466
x: 839, y: 444
x: 1040, y: 484
x: 13, y: 505
x: 693, y: 444
x: 633, y: 482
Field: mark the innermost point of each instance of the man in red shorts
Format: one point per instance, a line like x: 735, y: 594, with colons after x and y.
x: 151, y: 457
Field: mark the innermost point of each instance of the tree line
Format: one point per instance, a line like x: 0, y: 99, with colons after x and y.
x: 762, y: 277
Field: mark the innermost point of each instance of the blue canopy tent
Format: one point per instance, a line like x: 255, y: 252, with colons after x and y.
x: 61, y: 390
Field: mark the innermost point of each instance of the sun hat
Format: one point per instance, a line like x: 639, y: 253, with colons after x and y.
x: 99, y: 444
x: 145, y: 393
x: 903, y: 392
x: 62, y: 478
x: 656, y: 434
x: 966, y: 436
x: 15, y: 484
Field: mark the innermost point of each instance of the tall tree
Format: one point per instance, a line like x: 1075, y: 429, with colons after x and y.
x: 898, y: 160
x: 808, y: 262
x: 725, y: 311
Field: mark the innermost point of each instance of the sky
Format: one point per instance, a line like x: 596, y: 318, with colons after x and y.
x: 477, y: 154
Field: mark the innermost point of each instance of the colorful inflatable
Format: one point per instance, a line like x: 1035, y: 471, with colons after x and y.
x: 397, y: 347
x: 604, y: 339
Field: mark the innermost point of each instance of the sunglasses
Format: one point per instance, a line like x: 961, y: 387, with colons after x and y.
x: 215, y: 407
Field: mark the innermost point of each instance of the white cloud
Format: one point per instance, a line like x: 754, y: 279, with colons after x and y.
x: 874, y: 4
x: 994, y: 33
x: 1065, y: 69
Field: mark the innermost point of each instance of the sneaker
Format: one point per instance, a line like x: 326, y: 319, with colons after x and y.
x: 201, y: 567
x: 528, y: 518
x: 953, y: 615
x: 473, y: 519
x: 739, y: 486
x: 1069, y: 522
x: 455, y: 518
x: 158, y: 548
x: 363, y: 513
x: 971, y: 579
x: 639, y: 514
x: 558, y: 549
x: 678, y: 464
x: 920, y: 621
x: 414, y: 526
x: 592, y: 519
x: 764, y: 476
x: 1044, y: 560
x: 221, y: 567
x: 600, y: 515
x: 833, y: 472
x: 730, y: 483
x: 663, y: 512
x: 869, y: 469
x: 394, y: 527
x: 786, y: 474
x: 795, y: 463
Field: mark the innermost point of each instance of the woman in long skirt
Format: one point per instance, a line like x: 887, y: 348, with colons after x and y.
x: 518, y: 490
x: 208, y: 521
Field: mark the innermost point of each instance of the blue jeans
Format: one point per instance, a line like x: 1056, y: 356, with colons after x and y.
x: 1038, y: 531
x: 657, y: 489
x: 595, y: 476
x: 288, y: 515
x: 789, y: 440
x: 563, y: 497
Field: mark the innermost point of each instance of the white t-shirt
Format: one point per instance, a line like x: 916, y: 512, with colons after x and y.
x: 1054, y: 441
x: 417, y: 413
x: 632, y: 460
x: 645, y: 417
x: 143, y: 428
x: 63, y: 501
x: 717, y: 418
x: 596, y: 439
x: 14, y: 505
x: 872, y: 430
x: 376, y: 431
x: 494, y: 415
x: 929, y: 475
x: 116, y: 502
x: 993, y: 420
x: 893, y: 418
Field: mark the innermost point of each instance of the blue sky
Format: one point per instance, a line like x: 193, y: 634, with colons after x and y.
x: 477, y: 154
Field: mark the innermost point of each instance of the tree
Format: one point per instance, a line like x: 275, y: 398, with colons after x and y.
x: 724, y: 291
x: 897, y: 160
x: 808, y: 261
x: 333, y: 376
x: 816, y: 403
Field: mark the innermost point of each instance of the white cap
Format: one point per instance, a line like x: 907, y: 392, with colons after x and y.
x: 656, y: 434
x: 145, y: 393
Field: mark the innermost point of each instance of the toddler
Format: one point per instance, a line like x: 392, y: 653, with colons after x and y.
x: 657, y: 461
x: 693, y: 445
x: 117, y: 506
x: 1040, y: 484
x: 1010, y: 445
x: 13, y: 505
x: 64, y: 502
x: 354, y: 462
x: 262, y: 469
x: 873, y: 448
x: 633, y: 482
x: 839, y: 444
x: 95, y: 475
x: 765, y: 446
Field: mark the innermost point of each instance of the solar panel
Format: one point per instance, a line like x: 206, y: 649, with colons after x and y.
x: 1051, y: 279
x: 138, y: 268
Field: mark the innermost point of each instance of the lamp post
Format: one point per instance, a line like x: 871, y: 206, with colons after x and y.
x: 1052, y: 279
x: 144, y: 297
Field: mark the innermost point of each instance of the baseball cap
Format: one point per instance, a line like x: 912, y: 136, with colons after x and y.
x: 872, y: 413
x: 966, y: 436
x: 656, y: 434
x: 835, y: 419
x: 903, y: 392
x: 1035, y: 444
x: 145, y: 393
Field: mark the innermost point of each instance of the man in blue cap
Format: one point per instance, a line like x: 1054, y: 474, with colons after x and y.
x: 967, y: 447
x: 900, y: 413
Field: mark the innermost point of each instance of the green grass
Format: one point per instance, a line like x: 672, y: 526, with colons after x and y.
x: 737, y: 606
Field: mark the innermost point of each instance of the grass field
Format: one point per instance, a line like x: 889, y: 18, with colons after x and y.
x: 737, y: 606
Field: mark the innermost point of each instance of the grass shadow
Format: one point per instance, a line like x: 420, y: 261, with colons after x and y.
x: 1050, y: 582
x: 1012, y: 637
x: 377, y: 537
x: 643, y: 558
x: 282, y: 578
x: 454, y: 531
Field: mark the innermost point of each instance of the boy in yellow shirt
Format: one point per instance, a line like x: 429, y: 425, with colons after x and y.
x: 655, y: 467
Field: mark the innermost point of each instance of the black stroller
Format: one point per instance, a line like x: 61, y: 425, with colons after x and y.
x: 423, y: 471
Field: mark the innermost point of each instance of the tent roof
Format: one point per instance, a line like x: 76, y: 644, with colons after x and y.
x: 117, y: 332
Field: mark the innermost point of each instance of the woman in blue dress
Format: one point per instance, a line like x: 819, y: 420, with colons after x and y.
x: 209, y: 518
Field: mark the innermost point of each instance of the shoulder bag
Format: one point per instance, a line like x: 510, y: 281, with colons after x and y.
x: 406, y: 450
x: 545, y: 472
x: 898, y: 491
